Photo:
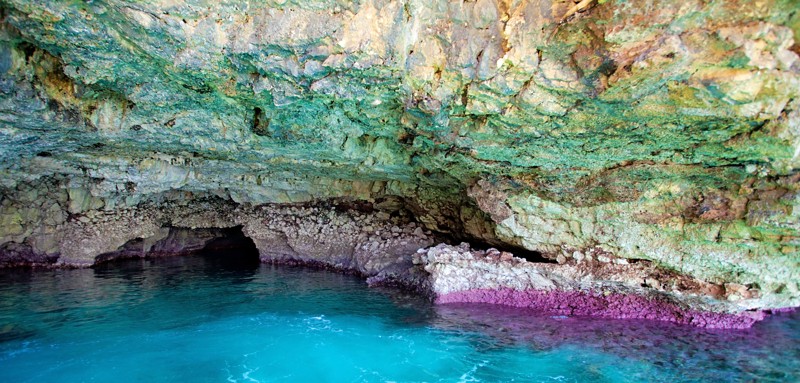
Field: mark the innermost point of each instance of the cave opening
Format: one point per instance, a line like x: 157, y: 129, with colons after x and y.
x: 231, y: 250
x: 223, y: 247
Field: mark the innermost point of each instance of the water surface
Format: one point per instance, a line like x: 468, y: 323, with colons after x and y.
x: 211, y: 319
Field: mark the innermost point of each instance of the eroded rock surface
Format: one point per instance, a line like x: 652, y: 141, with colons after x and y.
x: 337, y: 233
x: 659, y: 133
x: 615, y: 290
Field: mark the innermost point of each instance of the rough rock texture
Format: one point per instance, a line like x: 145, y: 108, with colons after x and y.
x: 460, y: 274
x: 356, y: 241
x: 349, y: 237
x: 664, y: 132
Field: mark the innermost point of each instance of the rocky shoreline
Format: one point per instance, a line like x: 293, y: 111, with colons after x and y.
x: 603, y: 298
x: 463, y: 275
x: 384, y: 245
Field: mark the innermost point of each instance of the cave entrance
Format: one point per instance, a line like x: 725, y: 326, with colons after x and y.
x: 223, y: 247
x: 232, y: 250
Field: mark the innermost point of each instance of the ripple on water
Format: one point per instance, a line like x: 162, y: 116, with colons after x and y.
x: 182, y: 319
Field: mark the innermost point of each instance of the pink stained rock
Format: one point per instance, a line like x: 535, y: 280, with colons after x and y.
x: 598, y: 304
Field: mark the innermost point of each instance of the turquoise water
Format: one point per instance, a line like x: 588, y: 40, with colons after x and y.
x: 198, y: 319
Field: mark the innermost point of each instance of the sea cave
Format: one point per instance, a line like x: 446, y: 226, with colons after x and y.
x: 381, y: 190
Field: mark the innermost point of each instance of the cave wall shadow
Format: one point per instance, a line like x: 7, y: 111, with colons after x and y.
x: 212, y: 249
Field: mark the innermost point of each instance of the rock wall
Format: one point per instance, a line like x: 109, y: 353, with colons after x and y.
x: 352, y: 236
x: 665, y: 132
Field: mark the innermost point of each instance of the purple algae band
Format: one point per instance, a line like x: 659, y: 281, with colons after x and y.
x: 598, y: 304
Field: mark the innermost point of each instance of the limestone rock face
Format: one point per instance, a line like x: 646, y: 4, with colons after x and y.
x: 665, y: 132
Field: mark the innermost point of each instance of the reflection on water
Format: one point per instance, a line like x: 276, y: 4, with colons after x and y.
x: 221, y: 318
x: 771, y: 349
